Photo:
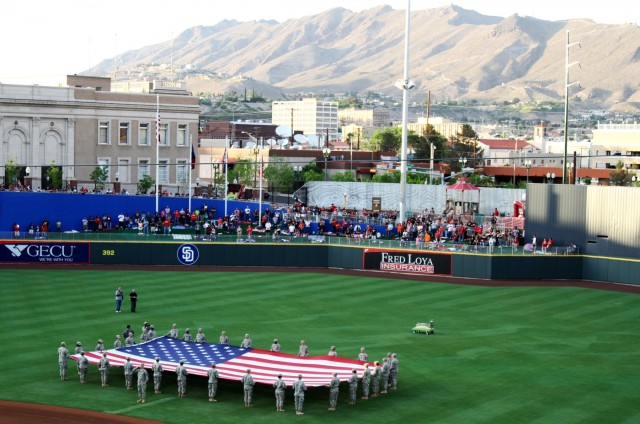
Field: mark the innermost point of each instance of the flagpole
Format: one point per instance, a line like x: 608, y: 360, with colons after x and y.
x: 260, y: 191
x: 226, y: 173
x: 189, y: 167
x: 157, y: 147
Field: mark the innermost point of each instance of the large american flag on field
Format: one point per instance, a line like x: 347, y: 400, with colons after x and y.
x: 232, y: 361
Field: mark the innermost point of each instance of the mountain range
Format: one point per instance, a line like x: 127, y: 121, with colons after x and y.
x: 456, y: 54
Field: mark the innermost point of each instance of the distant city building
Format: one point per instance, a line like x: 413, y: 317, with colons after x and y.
x: 616, y: 142
x: 86, y: 125
x: 308, y: 117
x: 442, y: 126
x: 378, y: 118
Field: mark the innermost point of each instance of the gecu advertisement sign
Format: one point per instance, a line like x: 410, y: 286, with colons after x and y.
x: 60, y: 252
x: 414, y: 262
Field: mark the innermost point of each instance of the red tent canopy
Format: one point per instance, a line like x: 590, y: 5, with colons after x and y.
x: 462, y: 184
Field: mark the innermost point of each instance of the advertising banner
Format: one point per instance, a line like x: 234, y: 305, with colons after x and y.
x: 407, y: 261
x: 23, y: 251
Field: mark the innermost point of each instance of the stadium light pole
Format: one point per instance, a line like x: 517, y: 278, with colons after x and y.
x: 405, y: 85
x: 566, y: 106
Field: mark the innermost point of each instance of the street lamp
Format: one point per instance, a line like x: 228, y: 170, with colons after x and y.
x: 527, y: 165
x: 326, y: 151
x: 550, y: 177
x: 48, y: 178
x: 256, y: 150
x: 463, y: 163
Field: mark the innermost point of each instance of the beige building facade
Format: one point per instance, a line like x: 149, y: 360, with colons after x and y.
x: 85, y: 125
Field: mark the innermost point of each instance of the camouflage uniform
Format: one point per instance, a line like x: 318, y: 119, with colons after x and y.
x: 280, y: 385
x: 223, y: 338
x: 143, y: 378
x: 366, y: 378
x: 377, y: 370
x: 200, y: 336
x: 212, y: 374
x: 83, y: 365
x: 393, y: 372
x: 63, y: 354
x: 182, y: 373
x: 334, y: 388
x: 173, y: 333
x: 353, y: 387
x: 104, y: 366
x: 362, y: 356
x: 247, y: 384
x: 298, y: 394
x: 384, y: 375
x: 128, y: 374
x: 157, y: 375
x: 246, y: 342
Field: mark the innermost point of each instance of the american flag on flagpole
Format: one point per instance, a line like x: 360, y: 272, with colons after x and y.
x: 158, y: 127
x: 225, y: 159
x: 232, y: 361
x: 193, y: 157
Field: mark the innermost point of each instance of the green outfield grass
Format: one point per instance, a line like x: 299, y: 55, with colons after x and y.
x: 500, y: 355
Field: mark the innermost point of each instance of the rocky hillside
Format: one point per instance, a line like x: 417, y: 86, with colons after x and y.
x: 455, y: 53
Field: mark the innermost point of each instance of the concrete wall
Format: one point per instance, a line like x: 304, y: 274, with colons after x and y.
x: 419, y: 197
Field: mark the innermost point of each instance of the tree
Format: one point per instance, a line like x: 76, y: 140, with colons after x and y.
x: 346, y: 176
x: 311, y: 172
x: 99, y: 176
x: 387, y: 140
x: 145, y: 183
x: 619, y: 177
x: 279, y: 174
x: 54, y: 176
x: 244, y: 171
x: 11, y: 171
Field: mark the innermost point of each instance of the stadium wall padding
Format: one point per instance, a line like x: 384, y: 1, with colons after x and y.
x: 247, y: 255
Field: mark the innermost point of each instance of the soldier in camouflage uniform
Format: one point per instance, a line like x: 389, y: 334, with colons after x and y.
x: 334, y: 388
x: 223, y: 338
x: 118, y: 343
x: 393, y: 372
x: 186, y: 337
x: 182, y: 373
x: 246, y: 342
x: 157, y: 375
x: 375, y: 374
x: 362, y: 356
x: 353, y: 387
x: 63, y: 355
x: 200, y: 336
x: 104, y: 366
x: 212, y: 374
x: 298, y: 394
x: 78, y: 348
x: 366, y: 379
x: 247, y: 384
x: 280, y: 385
x: 173, y: 333
x: 83, y: 366
x: 128, y: 374
x: 275, y: 346
x: 384, y: 375
x: 143, y: 378
x: 304, y: 349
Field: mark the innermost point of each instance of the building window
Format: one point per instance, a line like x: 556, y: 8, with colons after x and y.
x: 103, y: 132
x: 143, y: 168
x: 182, y: 135
x: 163, y: 172
x: 143, y: 135
x: 124, y: 133
x: 123, y: 170
x: 104, y: 163
x: 164, y: 134
x: 182, y: 175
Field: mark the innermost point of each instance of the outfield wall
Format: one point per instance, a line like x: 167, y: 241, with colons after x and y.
x: 247, y: 255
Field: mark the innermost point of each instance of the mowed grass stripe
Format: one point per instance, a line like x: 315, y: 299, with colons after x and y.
x: 496, y: 356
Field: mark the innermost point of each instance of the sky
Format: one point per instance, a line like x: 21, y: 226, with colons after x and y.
x: 45, y: 40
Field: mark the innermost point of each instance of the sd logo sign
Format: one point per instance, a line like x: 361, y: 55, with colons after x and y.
x: 188, y: 254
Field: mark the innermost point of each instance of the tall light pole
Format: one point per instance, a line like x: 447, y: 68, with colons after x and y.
x: 433, y: 147
x: 463, y: 163
x: 326, y: 152
x: 256, y: 150
x: 406, y: 85
x: 566, y: 107
x: 527, y: 165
